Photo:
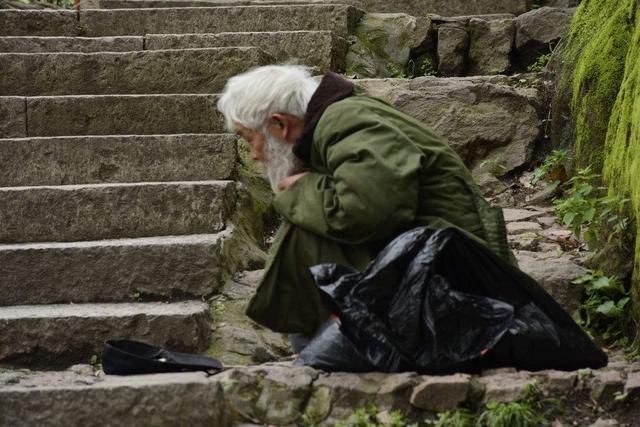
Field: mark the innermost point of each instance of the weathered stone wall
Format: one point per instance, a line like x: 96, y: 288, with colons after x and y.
x: 600, y: 84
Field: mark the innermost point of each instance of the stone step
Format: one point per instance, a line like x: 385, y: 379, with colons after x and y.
x: 322, y: 50
x: 62, y: 335
x: 120, y: 158
x: 109, y: 115
x: 69, y: 399
x: 131, y: 22
x: 412, y: 7
x: 26, y: 44
x: 162, y: 71
x: 130, y: 269
x: 110, y: 211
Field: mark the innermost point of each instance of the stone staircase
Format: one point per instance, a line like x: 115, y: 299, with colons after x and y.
x: 123, y: 212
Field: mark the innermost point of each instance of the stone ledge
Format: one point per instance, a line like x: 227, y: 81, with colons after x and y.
x: 108, y: 211
x: 110, y: 159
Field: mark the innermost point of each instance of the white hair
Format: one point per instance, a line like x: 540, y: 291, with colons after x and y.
x: 281, y: 162
x: 250, y: 98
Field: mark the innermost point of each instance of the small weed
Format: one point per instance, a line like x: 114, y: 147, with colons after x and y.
x: 553, y: 168
x: 95, y: 362
x: 597, y: 219
x: 454, y: 418
x: 217, y: 309
x: 540, y: 63
x: 395, y: 72
x: 514, y: 414
x: 605, y: 310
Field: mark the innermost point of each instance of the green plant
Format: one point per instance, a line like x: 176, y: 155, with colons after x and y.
x: 95, y: 362
x: 605, y: 310
x: 603, y: 219
x: 540, y: 63
x: 454, y: 418
x: 370, y: 417
x: 514, y: 414
x: 396, y: 72
x: 553, y: 168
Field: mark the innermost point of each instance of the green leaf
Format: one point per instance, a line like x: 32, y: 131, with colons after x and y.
x: 568, y: 218
x: 608, y: 308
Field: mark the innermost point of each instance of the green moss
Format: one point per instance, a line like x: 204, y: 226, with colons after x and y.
x: 622, y: 162
x: 601, y: 73
x: 597, y: 48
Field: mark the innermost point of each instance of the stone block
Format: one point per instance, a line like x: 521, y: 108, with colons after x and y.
x: 555, y: 275
x: 453, y: 45
x: 38, y: 23
x: 109, y: 211
x: 70, y: 44
x: 437, y: 394
x: 337, y: 18
x: 166, y: 71
x: 539, y: 30
x: 632, y: 385
x: 160, y: 400
x: 13, y: 117
x: 335, y: 395
x: 523, y: 227
x: 323, y: 50
x: 490, y: 46
x: 604, y: 387
x: 412, y: 7
x: 109, y: 159
x: 270, y: 395
x: 383, y: 42
x: 123, y: 115
x: 513, y: 215
x: 130, y: 269
x: 484, y: 122
x: 62, y: 335
x: 505, y: 388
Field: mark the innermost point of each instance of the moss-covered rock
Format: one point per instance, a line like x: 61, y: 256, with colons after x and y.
x: 600, y: 81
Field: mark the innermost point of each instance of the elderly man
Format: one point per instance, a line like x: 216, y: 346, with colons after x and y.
x: 350, y: 173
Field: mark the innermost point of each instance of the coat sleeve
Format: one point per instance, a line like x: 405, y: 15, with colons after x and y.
x: 370, y: 189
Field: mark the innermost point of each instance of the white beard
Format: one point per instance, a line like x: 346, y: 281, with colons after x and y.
x: 281, y: 162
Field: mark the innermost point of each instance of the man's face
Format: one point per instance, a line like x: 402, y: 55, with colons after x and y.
x: 275, y: 154
x: 256, y: 141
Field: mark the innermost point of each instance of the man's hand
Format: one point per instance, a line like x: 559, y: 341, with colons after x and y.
x: 289, y: 181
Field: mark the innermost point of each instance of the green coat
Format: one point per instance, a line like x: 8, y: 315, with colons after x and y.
x: 374, y: 173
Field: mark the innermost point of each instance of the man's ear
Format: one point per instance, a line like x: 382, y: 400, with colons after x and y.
x: 279, y: 126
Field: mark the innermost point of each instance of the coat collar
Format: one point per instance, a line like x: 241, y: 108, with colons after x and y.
x: 332, y: 88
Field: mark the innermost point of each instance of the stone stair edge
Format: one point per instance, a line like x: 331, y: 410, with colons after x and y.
x: 74, y: 187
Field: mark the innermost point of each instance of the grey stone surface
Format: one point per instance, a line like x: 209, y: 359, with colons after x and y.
x: 335, y: 395
x: 158, y: 400
x: 382, y: 44
x: 236, y: 339
x: 555, y: 274
x: 522, y: 227
x: 632, y: 385
x: 13, y: 117
x: 270, y: 395
x: 120, y: 270
x: 605, y: 422
x: 70, y: 44
x: 63, y: 335
x: 123, y: 115
x: 514, y: 214
x: 505, y: 388
x: 412, y: 7
x: 337, y: 18
x: 38, y: 23
x: 453, y: 44
x: 164, y: 71
x: 491, y: 44
x: 108, y: 159
x: 526, y: 241
x: 484, y: 122
x: 538, y: 29
x: 437, y: 394
x: 604, y: 386
x: 322, y: 50
x: 560, y: 382
x: 107, y: 211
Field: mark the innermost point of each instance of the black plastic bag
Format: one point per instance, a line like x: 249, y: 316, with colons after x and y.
x: 437, y: 302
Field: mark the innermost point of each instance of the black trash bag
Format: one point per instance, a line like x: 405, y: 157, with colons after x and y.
x: 437, y: 302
